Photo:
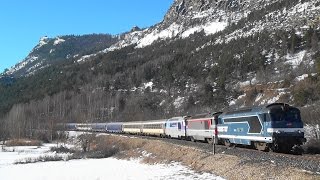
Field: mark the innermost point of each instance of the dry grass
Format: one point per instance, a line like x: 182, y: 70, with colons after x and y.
x: 312, y: 146
x: 40, y: 159
x: 23, y: 142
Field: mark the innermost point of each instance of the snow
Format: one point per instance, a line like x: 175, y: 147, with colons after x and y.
x: 178, y: 102
x: 43, y: 41
x: 209, y: 28
x: 21, y: 153
x: 88, y: 169
x: 148, y: 85
x: 295, y: 59
x: 162, y: 102
x: 170, y: 32
x: 288, y: 18
x: 312, y: 131
x: 213, y: 27
x: 259, y: 97
x: 22, y: 64
x: 231, y: 103
x: 302, y: 77
x: 86, y: 58
x: 109, y: 168
x: 247, y: 83
x: 190, y: 31
x: 58, y: 41
x: 129, y: 39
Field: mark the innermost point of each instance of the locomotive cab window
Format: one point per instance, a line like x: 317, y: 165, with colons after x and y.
x: 291, y: 115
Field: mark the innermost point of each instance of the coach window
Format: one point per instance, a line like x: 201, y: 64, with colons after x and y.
x: 206, y: 125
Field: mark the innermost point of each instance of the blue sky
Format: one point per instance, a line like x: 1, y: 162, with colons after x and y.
x: 23, y: 22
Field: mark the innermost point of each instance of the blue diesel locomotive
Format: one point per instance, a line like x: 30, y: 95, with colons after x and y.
x: 276, y: 127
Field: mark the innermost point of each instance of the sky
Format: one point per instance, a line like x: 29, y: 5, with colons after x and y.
x: 24, y: 22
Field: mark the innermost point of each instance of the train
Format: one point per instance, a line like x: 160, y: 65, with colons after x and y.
x: 273, y: 127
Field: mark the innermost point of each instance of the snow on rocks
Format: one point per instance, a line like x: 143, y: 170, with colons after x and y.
x: 172, y: 31
x: 178, y: 102
x: 58, y: 41
x: 209, y: 28
x: 22, y: 64
x: 86, y: 58
x: 43, y: 41
x: 295, y: 59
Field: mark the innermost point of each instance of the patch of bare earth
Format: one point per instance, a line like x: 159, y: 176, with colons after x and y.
x: 227, y: 166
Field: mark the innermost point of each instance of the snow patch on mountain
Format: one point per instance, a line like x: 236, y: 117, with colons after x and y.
x: 58, y: 41
x: 209, y: 28
x: 296, y: 17
x: 178, y: 102
x: 126, y: 40
x: 295, y: 59
x: 43, y: 41
x: 86, y: 58
x: 22, y: 64
x: 172, y: 31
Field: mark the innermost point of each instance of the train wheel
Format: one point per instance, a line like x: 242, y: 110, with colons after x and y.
x: 228, y: 143
x: 192, y: 139
x: 297, y: 150
x: 261, y: 146
x: 209, y: 140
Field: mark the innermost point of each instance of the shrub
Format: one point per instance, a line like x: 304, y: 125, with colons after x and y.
x: 62, y: 149
x: 40, y: 159
x: 23, y: 142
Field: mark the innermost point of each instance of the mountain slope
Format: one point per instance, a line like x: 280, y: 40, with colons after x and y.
x: 63, y: 48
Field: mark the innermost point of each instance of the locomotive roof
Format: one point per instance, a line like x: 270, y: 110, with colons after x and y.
x: 258, y: 109
x: 205, y: 115
x: 147, y: 121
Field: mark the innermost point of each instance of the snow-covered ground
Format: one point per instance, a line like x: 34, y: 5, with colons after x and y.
x: 99, y: 169
x: 10, y: 155
x: 86, y: 169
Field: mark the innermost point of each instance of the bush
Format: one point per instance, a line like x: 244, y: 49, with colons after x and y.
x: 62, y: 149
x: 95, y: 154
x: 40, y: 159
x: 23, y: 142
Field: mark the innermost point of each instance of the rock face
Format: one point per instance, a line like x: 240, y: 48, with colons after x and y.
x: 184, y: 10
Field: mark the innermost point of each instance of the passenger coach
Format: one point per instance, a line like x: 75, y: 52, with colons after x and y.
x: 154, y: 127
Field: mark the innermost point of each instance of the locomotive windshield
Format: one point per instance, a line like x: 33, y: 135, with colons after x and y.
x: 289, y: 115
